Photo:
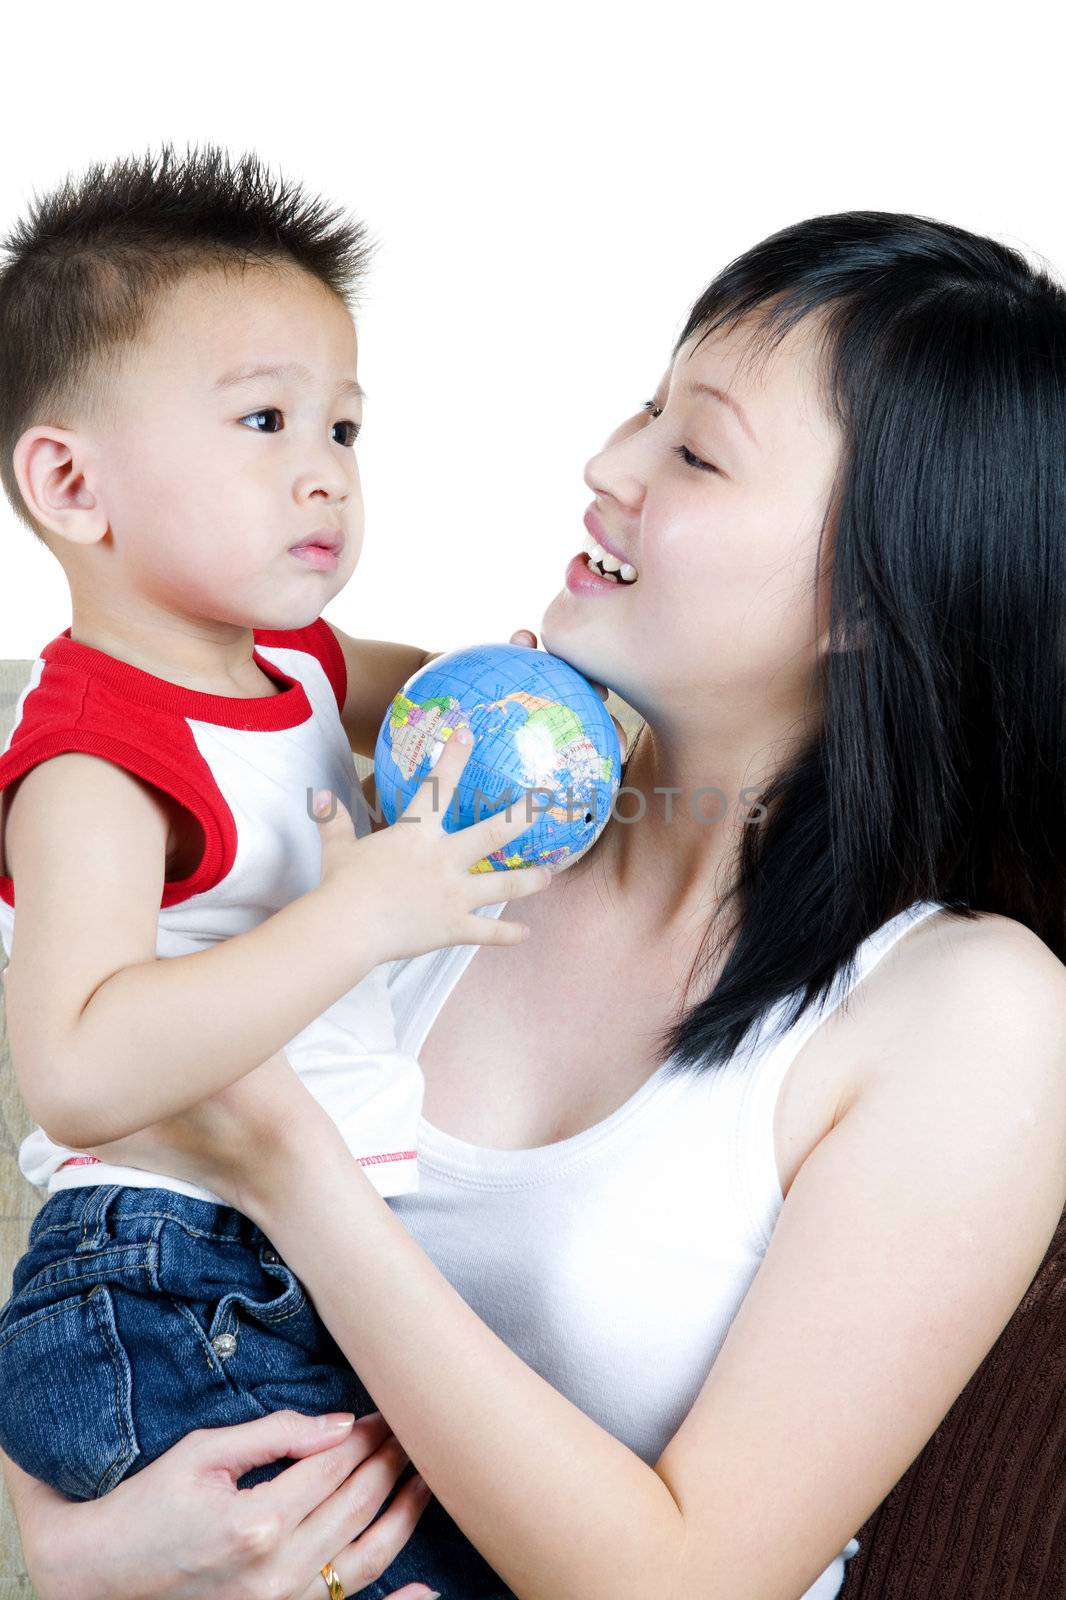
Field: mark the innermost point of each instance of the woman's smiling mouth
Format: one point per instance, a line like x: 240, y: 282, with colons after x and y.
x: 583, y: 576
x: 604, y: 559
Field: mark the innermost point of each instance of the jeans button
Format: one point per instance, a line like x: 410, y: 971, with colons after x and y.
x: 224, y: 1345
x: 271, y: 1258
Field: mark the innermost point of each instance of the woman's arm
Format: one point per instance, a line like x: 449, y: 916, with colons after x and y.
x: 181, y: 1530
x: 905, y: 1243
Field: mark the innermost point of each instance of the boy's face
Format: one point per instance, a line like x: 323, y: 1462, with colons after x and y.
x: 207, y: 482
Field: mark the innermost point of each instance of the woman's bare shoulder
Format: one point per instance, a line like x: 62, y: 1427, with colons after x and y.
x: 955, y: 994
x: 998, y: 954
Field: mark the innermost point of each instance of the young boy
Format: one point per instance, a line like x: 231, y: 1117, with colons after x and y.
x: 178, y: 407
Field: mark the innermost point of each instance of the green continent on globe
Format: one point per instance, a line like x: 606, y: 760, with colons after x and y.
x: 552, y: 754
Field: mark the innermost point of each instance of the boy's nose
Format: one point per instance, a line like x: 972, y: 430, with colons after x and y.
x: 325, y: 490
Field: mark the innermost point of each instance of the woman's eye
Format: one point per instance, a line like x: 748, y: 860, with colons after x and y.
x: 270, y: 411
x: 683, y: 452
x: 680, y: 450
x: 690, y: 460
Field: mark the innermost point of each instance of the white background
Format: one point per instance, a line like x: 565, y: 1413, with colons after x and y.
x: 552, y: 186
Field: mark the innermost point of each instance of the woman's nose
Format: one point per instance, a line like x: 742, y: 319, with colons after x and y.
x: 614, y: 472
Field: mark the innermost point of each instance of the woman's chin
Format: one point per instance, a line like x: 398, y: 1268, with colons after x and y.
x: 572, y: 640
x: 562, y: 628
x: 568, y: 618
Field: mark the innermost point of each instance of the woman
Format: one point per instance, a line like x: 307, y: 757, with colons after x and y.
x: 726, y: 1248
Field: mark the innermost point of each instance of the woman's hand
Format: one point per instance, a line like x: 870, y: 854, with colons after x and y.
x: 181, y: 1530
x: 238, y: 1142
x: 525, y: 636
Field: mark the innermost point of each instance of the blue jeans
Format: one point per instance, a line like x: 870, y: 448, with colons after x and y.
x: 137, y: 1315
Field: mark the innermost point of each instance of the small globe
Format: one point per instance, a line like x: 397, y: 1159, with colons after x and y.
x: 544, y: 743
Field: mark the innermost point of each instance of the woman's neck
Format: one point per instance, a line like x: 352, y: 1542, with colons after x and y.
x: 688, y: 803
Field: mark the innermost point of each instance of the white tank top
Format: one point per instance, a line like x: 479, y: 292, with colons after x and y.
x: 614, y: 1262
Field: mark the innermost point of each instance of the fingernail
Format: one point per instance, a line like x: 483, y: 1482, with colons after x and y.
x: 321, y: 800
x: 335, y: 1421
x: 464, y: 736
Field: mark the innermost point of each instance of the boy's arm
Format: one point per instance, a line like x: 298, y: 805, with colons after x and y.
x: 105, y: 1037
x: 370, y: 795
x: 377, y: 669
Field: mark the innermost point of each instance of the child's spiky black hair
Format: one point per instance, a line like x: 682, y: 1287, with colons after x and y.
x: 80, y: 274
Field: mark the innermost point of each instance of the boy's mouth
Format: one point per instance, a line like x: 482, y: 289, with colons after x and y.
x: 320, y: 549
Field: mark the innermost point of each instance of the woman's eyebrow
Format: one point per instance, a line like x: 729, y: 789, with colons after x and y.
x: 692, y: 387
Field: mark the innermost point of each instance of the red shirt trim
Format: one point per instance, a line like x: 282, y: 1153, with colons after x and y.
x: 320, y: 641
x: 82, y: 703
x: 252, y: 712
x: 202, y: 797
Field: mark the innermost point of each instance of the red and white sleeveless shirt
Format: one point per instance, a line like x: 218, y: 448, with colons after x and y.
x: 245, y: 769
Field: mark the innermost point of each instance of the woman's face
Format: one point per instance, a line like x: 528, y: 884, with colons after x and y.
x: 717, y: 501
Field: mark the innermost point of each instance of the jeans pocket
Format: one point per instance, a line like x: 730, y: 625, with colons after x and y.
x: 276, y: 1299
x: 85, y: 1446
x: 223, y: 1285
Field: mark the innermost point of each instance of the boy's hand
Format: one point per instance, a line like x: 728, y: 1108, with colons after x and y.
x: 409, y: 888
x: 526, y: 637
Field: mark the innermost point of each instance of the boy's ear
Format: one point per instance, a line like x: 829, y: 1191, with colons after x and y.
x: 55, y: 469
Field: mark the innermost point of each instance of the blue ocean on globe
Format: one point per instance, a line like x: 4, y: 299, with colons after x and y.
x: 543, y: 741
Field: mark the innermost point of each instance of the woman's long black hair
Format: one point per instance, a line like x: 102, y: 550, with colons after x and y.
x: 938, y: 771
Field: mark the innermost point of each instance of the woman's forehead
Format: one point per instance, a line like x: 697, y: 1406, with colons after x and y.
x: 770, y: 380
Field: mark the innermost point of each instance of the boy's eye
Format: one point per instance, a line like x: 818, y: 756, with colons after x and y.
x: 271, y: 411
x: 352, y: 431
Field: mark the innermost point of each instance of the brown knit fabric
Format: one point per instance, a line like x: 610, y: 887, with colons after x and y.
x: 980, y: 1514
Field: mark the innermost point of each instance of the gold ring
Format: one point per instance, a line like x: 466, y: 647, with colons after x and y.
x: 333, y: 1582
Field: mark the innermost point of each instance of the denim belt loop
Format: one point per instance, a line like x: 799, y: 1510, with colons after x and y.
x: 94, y: 1217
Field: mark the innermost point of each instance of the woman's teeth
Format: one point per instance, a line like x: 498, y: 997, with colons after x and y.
x: 610, y: 567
